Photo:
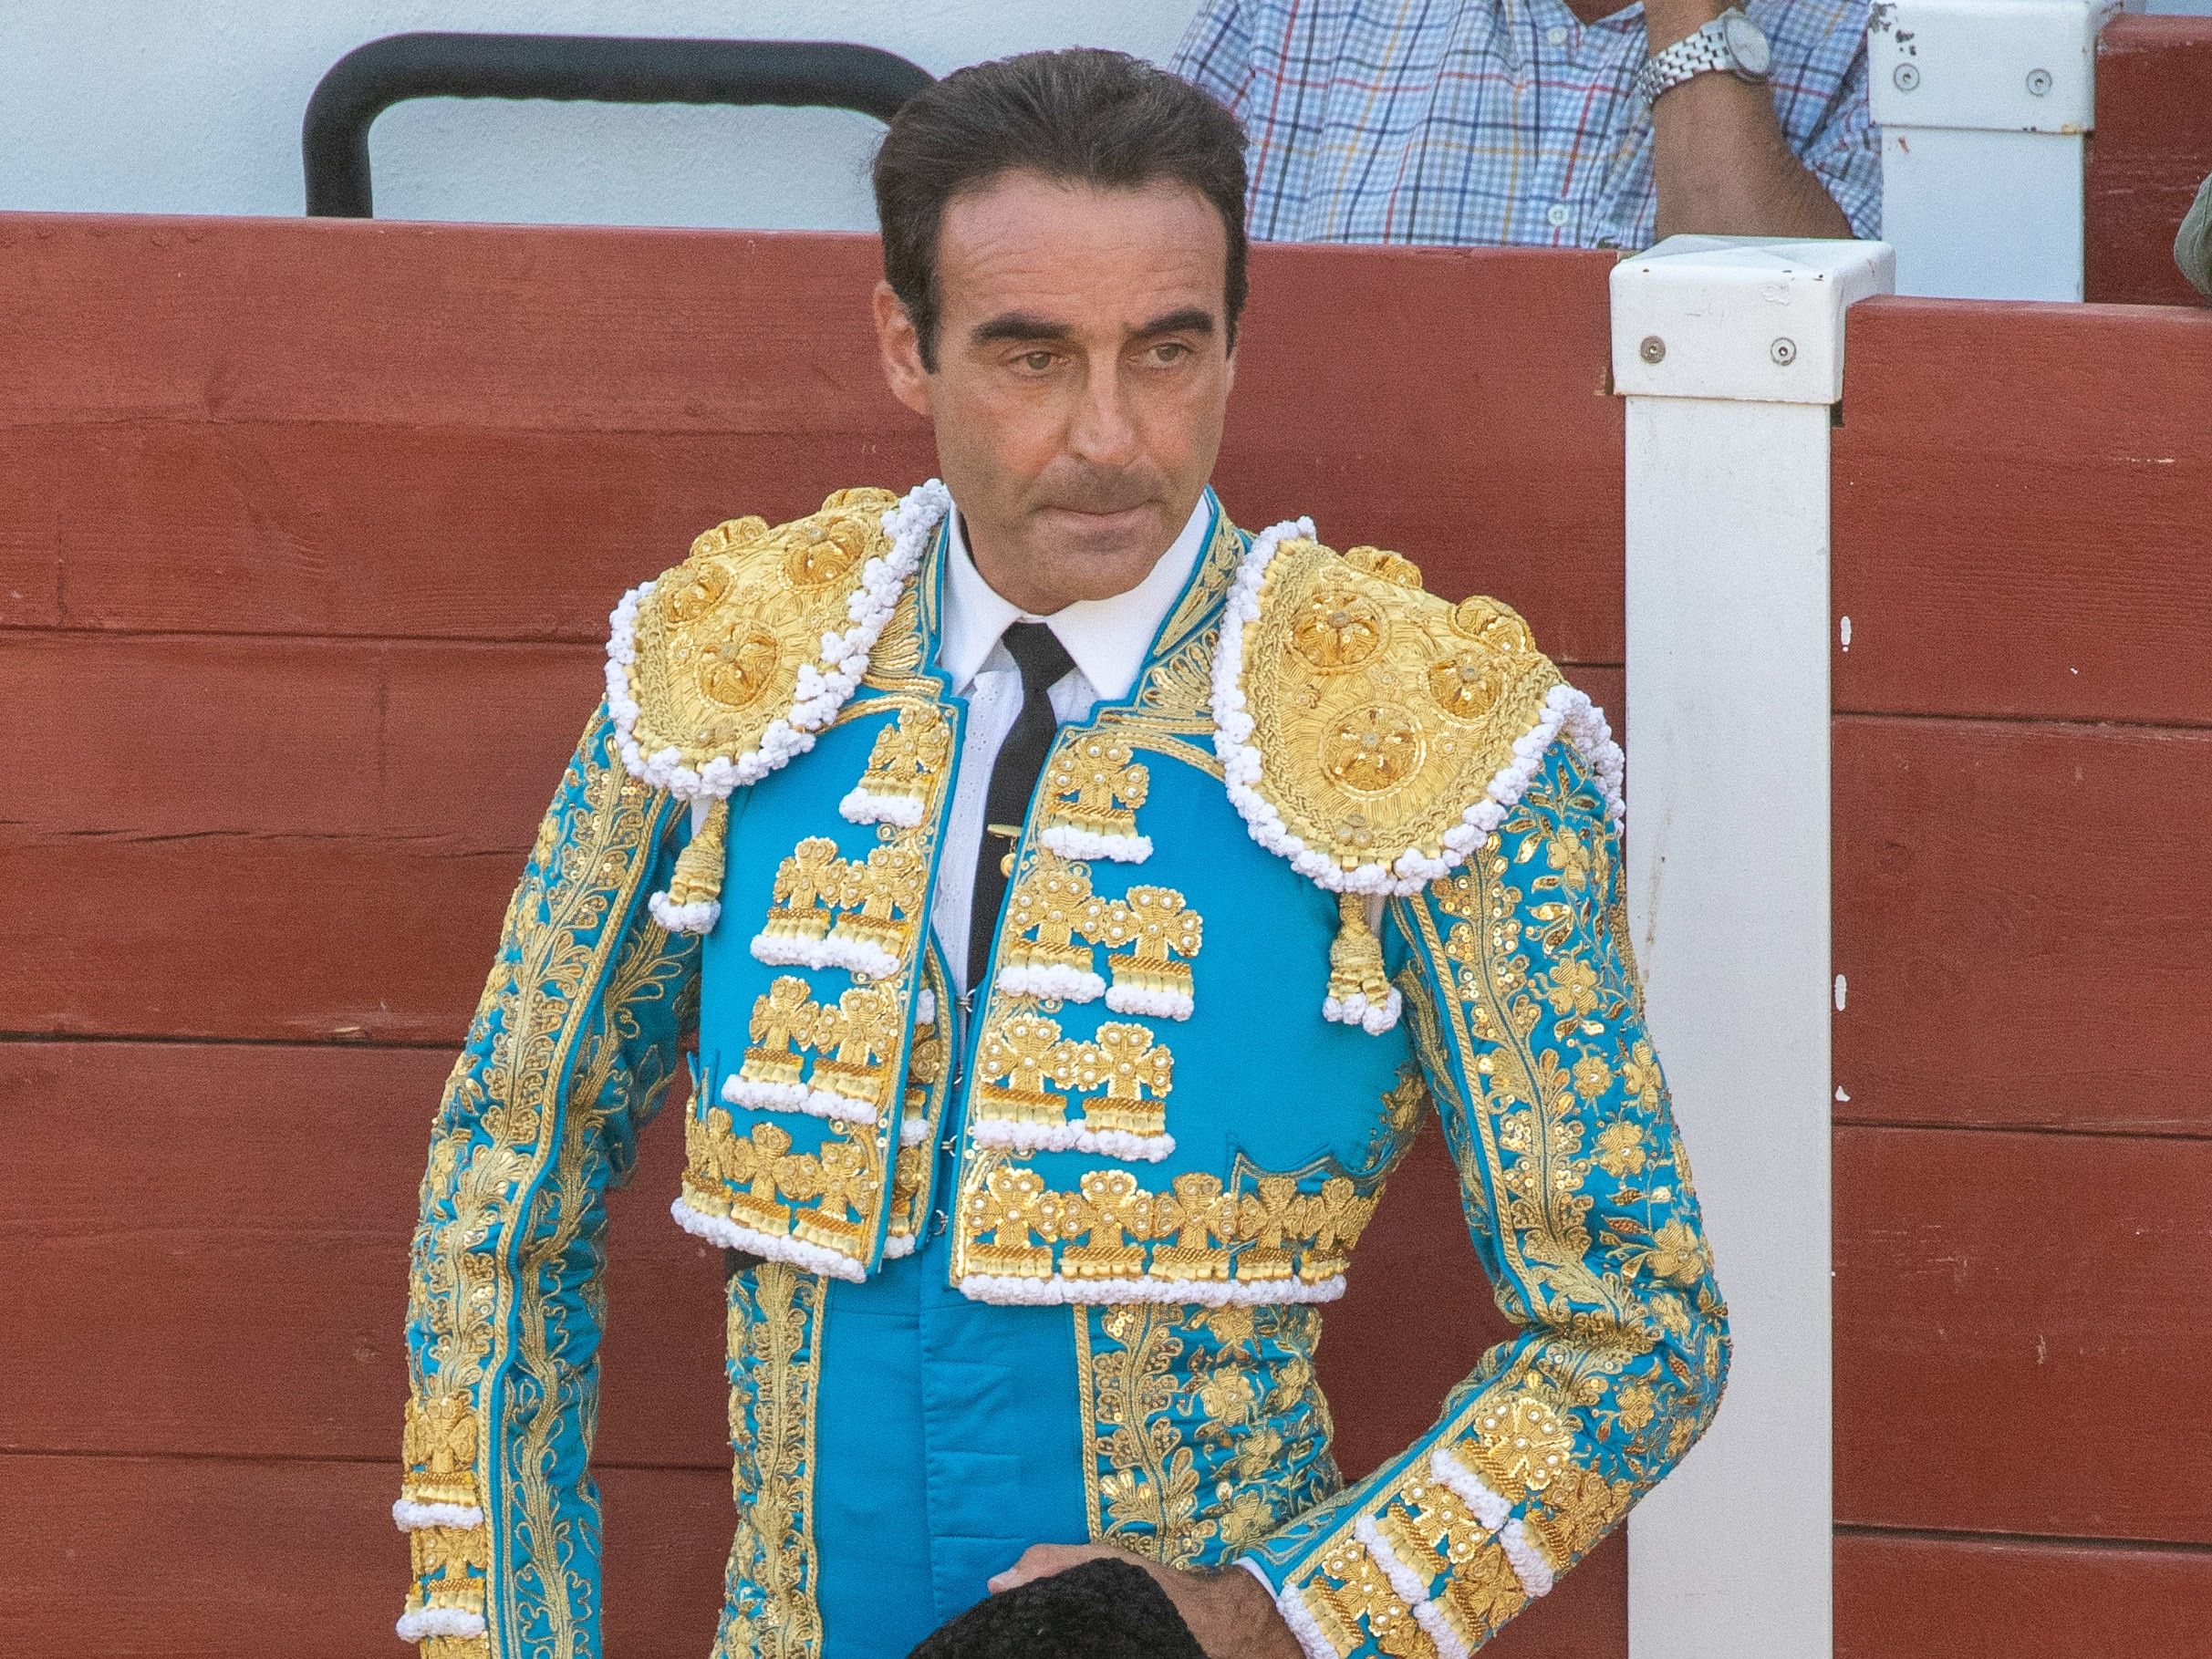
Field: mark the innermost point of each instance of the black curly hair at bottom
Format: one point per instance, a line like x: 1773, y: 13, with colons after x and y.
x: 1100, y: 1610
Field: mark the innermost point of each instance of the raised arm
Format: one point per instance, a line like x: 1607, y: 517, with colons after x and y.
x: 568, y: 1056
x: 1529, y: 1024
x: 1720, y: 159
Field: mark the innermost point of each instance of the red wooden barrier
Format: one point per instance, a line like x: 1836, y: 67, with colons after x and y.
x: 2152, y: 149
x: 2023, y: 913
x: 307, y: 536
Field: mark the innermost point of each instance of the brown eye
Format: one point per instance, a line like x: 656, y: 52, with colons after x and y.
x: 1036, y: 362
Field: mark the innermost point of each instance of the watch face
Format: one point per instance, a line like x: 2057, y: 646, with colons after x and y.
x: 1746, y: 43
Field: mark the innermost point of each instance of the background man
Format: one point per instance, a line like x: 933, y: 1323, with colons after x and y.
x: 1077, y: 902
x: 1487, y: 121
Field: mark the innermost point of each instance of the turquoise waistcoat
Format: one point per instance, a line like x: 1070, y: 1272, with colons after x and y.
x: 1140, y: 1101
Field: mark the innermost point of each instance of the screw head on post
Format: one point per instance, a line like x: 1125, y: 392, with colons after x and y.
x: 2039, y: 83
x: 1907, y: 76
x: 1783, y: 351
x: 1653, y: 350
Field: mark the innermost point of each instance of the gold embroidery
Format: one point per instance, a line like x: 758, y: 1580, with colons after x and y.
x: 928, y: 1057
x: 1519, y: 1443
x: 1136, y: 1071
x: 1162, y: 933
x: 875, y: 902
x: 1482, y: 1595
x: 441, y: 1450
x: 785, y: 1015
x: 1431, y: 1530
x: 748, y: 1179
x: 883, y: 896
x: 1353, y: 1601
x: 1356, y: 956
x: 858, y: 1037
x: 1580, y: 1507
x: 1197, y: 1232
x: 1174, y: 701
x: 841, y: 1060
x: 721, y: 639
x: 809, y: 886
x: 775, y: 1359
x: 508, y: 1130
x: 1093, y: 785
x: 907, y: 762
x: 1379, y: 711
x: 1022, y: 1052
x: 1053, y: 905
x: 701, y: 866
x: 1147, y: 1501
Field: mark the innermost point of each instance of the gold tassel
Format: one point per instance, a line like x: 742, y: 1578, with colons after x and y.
x: 1355, y: 959
x: 699, y: 876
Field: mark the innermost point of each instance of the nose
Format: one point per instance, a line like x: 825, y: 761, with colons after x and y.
x: 1100, y: 429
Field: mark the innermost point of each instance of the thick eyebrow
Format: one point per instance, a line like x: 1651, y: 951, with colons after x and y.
x: 1021, y: 327
x: 1190, y: 319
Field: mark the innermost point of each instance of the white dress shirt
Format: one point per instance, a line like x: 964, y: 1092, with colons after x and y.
x: 1109, y: 640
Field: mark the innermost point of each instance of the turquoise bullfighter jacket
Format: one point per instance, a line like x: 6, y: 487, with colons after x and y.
x: 1048, y: 1263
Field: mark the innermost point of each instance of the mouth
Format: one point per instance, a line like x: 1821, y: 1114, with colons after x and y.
x: 1117, y: 518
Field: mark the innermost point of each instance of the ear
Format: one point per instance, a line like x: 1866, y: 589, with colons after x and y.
x: 900, y: 347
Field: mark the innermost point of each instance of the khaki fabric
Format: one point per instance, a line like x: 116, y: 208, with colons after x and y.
x: 2193, y: 245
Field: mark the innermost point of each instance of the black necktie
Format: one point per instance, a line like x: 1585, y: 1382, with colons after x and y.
x: 1042, y: 660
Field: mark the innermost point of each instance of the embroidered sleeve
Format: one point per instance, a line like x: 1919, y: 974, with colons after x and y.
x: 568, y: 1056
x: 1527, y: 1020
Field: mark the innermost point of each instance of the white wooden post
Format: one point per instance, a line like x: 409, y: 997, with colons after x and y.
x: 1730, y: 353
x: 1985, y: 107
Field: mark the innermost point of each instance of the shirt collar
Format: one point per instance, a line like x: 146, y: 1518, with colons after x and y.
x: 1109, y: 639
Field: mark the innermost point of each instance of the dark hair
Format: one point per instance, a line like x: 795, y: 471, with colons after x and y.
x: 1083, y: 116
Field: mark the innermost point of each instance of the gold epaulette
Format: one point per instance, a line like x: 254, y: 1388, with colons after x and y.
x: 724, y: 668
x: 1373, y: 733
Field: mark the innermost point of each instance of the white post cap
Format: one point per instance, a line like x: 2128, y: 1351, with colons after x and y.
x: 1741, y: 318
x: 1992, y: 65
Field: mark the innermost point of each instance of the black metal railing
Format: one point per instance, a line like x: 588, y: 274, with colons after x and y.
x: 369, y: 80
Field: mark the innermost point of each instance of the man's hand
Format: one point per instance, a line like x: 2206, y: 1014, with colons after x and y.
x: 1230, y: 1613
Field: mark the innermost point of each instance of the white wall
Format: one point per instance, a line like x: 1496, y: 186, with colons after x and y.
x: 194, y: 106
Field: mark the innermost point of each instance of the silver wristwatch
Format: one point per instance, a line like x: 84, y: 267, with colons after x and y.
x: 1731, y: 41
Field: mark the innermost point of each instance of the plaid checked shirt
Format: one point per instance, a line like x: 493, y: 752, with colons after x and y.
x: 1494, y: 121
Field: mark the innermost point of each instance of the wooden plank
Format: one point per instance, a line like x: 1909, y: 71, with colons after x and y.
x: 2022, y: 925
x: 131, y: 1558
x: 226, y: 734
x: 2018, y: 512
x: 557, y: 440
x: 1938, y: 1598
x: 2151, y: 150
x: 2021, y: 1325
x: 121, y: 318
x: 355, y: 527
x: 267, y: 1266
x: 309, y: 938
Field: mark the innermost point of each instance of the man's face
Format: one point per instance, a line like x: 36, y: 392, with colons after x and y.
x: 1082, y: 375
